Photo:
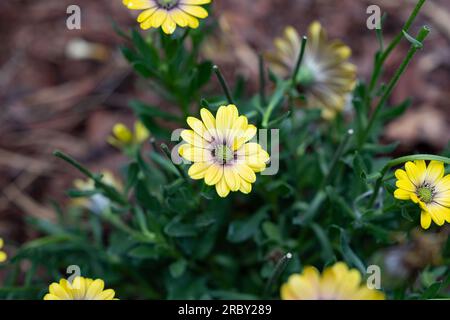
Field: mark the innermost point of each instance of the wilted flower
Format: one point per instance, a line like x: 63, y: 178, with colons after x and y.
x: 337, y: 282
x: 167, y: 14
x: 96, y: 203
x: 80, y: 289
x: 221, y: 152
x: 3, y: 255
x: 122, y: 136
x: 426, y: 186
x: 326, y: 78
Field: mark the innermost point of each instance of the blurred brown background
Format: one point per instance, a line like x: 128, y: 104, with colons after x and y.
x: 56, y: 95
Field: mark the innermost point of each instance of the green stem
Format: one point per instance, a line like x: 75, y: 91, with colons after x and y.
x: 73, y: 162
x: 167, y: 153
x: 223, y: 84
x: 387, y: 92
x: 393, y: 45
x: 299, y: 62
x: 398, y: 161
x: 337, y: 156
x: 280, y: 266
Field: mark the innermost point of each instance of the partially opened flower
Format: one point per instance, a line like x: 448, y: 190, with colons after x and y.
x: 168, y: 14
x: 220, y: 149
x: 96, y: 203
x: 428, y: 187
x: 80, y: 289
x: 3, y: 255
x: 326, y: 78
x: 123, y: 137
x: 337, y: 282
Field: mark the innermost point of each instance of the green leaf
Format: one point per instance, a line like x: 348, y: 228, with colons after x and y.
x: 143, y: 252
x: 432, y: 291
x: 76, y: 193
x: 413, y: 40
x: 177, y: 229
x: 349, y: 254
x: 151, y: 111
x: 242, y: 230
x: 132, y: 175
x: 272, y: 231
x: 178, y: 268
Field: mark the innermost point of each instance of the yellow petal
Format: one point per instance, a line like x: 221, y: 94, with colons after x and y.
x: 95, y: 288
x: 50, y: 296
x: 57, y: 290
x: 195, y: 11
x: 158, y: 18
x: 435, y: 171
x: 194, y: 139
x: 179, y: 17
x: 245, y: 187
x: 195, y: 2
x: 3, y: 256
x: 199, y: 128
x: 194, y: 154
x: 246, y: 173
x: 139, y: 4
x: 231, y: 178
x: 402, y: 194
x: 122, y: 133
x: 144, y: 15
x: 213, y: 174
x: 106, y: 295
x: 169, y: 25
x: 198, y: 170
x: 415, y: 175
x: 222, y: 188
x: 425, y: 220
x: 140, y: 132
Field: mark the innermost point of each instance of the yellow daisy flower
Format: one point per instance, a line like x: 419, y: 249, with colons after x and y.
x: 122, y: 136
x: 80, y: 289
x: 337, y: 282
x: 221, y: 152
x: 426, y: 186
x: 3, y: 255
x: 98, y: 202
x: 167, y: 14
x: 326, y: 78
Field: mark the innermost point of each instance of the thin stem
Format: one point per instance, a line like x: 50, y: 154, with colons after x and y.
x: 398, y: 161
x: 167, y: 153
x: 393, y: 44
x: 337, y: 156
x: 387, y: 92
x: 262, y: 81
x: 223, y: 84
x: 299, y: 61
x: 73, y: 162
x: 280, y: 266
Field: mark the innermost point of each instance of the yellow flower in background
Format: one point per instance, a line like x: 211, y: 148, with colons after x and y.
x: 80, y: 289
x: 122, y: 135
x: 428, y: 187
x: 98, y: 202
x: 326, y: 78
x: 3, y: 255
x: 220, y: 149
x: 168, y: 14
x: 337, y: 282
